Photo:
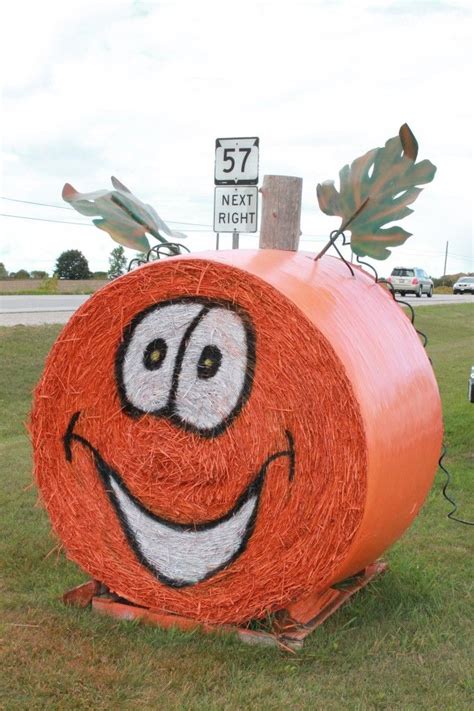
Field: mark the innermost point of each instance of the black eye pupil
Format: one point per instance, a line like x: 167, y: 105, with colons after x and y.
x: 154, y: 354
x: 209, y: 362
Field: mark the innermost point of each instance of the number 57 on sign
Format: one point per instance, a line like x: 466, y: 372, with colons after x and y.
x: 236, y: 161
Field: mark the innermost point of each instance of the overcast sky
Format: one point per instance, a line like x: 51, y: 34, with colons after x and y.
x: 141, y: 90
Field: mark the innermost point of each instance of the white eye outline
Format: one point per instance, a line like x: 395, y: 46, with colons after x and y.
x: 169, y: 411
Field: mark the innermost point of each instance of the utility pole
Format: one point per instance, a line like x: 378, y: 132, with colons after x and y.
x: 445, y: 258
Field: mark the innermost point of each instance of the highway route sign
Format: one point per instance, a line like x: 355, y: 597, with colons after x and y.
x: 236, y: 161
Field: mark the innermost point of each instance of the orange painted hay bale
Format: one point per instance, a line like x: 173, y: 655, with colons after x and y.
x: 221, y: 434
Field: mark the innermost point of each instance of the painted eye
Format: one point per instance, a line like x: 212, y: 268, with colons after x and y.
x: 216, y: 372
x: 155, y: 353
x: 209, y: 362
x: 147, y: 357
x: 191, y: 361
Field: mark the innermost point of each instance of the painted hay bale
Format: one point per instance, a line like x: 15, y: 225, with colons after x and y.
x: 221, y: 434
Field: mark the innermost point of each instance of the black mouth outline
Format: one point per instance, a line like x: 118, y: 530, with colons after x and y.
x: 168, y: 410
x: 106, y: 473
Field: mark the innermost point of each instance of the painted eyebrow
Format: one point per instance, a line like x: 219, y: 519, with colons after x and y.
x: 181, y: 353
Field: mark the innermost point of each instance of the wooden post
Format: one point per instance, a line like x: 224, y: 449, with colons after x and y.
x: 281, y: 212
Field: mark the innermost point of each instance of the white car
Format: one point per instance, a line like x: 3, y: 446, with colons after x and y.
x: 411, y: 280
x: 464, y: 285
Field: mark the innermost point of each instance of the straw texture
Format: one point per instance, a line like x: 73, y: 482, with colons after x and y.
x: 217, y: 499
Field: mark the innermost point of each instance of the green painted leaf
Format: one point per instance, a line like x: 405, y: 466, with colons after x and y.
x: 120, y: 213
x: 131, y: 236
x: 386, y: 178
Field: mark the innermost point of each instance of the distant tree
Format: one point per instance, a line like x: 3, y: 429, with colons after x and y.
x: 99, y: 275
x: 117, y: 262
x: 3, y: 271
x: 449, y: 279
x: 39, y: 274
x: 22, y: 274
x: 72, y: 265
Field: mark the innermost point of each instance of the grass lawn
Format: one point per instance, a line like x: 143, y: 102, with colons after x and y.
x: 403, y: 643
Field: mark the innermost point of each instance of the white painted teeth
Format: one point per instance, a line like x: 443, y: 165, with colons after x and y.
x: 177, y: 554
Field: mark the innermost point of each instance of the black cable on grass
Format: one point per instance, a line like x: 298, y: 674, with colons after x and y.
x: 445, y: 487
x: 444, y: 448
x: 424, y: 338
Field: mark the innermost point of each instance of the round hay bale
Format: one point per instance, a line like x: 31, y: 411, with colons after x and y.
x: 221, y: 434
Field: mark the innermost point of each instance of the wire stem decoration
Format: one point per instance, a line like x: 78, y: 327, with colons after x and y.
x: 341, y: 232
x: 165, y: 249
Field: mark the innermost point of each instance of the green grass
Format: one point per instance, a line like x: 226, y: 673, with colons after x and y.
x: 403, y: 643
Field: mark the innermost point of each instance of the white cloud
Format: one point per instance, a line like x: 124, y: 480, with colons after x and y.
x: 142, y: 89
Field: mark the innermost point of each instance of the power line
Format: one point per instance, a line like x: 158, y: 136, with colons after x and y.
x: 63, y: 207
x: 42, y: 219
x: 67, y: 222
x: 409, y: 248
x: 306, y: 238
x: 30, y: 202
x: 206, y: 231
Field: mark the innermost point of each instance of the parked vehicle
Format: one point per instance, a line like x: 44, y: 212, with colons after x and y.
x: 464, y: 285
x: 411, y: 280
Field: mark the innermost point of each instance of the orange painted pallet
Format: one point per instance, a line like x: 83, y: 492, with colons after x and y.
x: 290, y: 627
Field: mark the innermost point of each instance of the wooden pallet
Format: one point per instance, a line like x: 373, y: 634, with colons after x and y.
x: 290, y: 626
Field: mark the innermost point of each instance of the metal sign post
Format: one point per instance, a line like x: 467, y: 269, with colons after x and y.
x: 236, y: 192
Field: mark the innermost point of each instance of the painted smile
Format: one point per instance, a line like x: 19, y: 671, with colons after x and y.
x: 178, y: 554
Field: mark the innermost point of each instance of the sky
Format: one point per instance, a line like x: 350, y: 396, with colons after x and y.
x: 141, y: 89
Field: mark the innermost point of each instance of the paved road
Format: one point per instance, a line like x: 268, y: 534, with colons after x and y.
x: 438, y: 299
x: 35, y: 310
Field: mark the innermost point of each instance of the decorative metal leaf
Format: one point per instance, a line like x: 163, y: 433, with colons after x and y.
x: 385, y: 179
x: 126, y: 218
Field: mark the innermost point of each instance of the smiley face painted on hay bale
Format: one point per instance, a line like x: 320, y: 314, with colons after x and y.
x: 199, y: 445
x: 191, y: 361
